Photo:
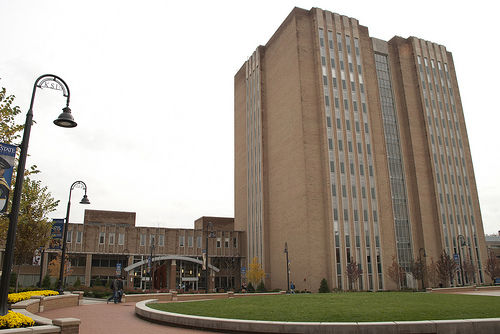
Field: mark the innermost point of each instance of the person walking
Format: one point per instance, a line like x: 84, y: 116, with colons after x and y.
x: 292, y: 288
x: 115, y: 287
x: 120, y: 289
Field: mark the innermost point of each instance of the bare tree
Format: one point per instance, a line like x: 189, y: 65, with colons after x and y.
x: 446, y: 268
x: 432, y: 275
x: 492, y: 266
x: 396, y: 272
x: 469, y: 270
x: 353, y: 272
x: 418, y: 271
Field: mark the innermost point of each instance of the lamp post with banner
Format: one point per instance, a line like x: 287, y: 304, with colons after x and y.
x: 460, y: 243
x: 85, y: 200
x: 64, y: 120
x: 209, y: 234
x: 287, y: 269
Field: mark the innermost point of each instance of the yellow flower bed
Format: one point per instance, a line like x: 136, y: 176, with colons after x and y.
x: 15, y: 320
x: 17, y: 297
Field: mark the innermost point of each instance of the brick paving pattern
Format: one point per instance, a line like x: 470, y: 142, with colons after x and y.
x: 113, y: 318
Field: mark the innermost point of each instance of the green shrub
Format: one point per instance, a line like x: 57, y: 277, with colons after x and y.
x: 77, y: 283
x: 46, y: 282
x: 261, y: 287
x: 323, y: 286
x: 13, y: 279
x: 96, y: 291
x: 250, y: 287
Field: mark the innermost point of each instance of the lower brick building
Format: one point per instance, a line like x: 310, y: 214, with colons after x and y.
x: 109, y: 243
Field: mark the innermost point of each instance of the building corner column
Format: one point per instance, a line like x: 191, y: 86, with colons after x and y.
x: 173, y: 273
x: 88, y: 269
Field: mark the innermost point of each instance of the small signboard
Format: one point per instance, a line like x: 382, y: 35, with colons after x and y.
x: 118, y: 269
x: 189, y: 279
x: 456, y: 258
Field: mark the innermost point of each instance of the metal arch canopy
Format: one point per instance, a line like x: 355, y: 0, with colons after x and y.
x: 169, y: 257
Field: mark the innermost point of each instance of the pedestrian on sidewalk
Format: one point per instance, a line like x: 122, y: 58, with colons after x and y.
x: 120, y: 289
x: 115, y: 286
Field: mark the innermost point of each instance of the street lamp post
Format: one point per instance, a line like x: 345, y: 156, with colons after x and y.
x: 42, y: 253
x: 209, y: 234
x: 151, y: 271
x: 460, y: 243
x: 85, y: 200
x: 287, y: 269
x: 64, y: 120
x: 423, y: 266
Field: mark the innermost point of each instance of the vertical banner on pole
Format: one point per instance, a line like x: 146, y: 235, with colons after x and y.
x: 7, y: 157
x: 56, y: 234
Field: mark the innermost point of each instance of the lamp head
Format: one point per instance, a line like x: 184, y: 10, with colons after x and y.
x: 85, y: 200
x: 65, y: 119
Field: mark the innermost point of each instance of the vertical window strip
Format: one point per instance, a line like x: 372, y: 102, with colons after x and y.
x: 396, y: 168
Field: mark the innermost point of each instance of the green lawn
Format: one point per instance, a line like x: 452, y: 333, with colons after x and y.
x: 344, y: 307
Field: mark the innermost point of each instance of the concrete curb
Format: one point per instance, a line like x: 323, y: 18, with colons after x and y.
x: 473, y: 326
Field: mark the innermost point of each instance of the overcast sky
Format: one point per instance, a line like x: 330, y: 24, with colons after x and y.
x: 152, y: 92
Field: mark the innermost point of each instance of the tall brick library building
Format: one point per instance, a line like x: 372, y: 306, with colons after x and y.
x: 352, y: 149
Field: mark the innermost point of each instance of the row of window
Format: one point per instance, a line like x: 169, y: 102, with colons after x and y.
x: 254, y: 159
x: 450, y: 151
x: 190, y: 239
x: 339, y: 148
x: 111, y: 238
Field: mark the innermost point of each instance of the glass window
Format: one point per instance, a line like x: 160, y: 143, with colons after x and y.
x: 102, y: 236
x: 79, y: 235
x: 143, y: 239
x: 121, y: 238
x: 152, y: 239
x: 111, y: 238
x: 190, y: 241
x: 235, y: 242
x: 226, y: 242
x: 198, y: 241
x: 218, y: 242
x: 181, y: 241
x: 69, y: 236
x: 161, y: 240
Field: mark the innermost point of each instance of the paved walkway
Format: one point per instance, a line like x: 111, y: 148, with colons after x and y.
x: 482, y: 293
x: 99, y: 317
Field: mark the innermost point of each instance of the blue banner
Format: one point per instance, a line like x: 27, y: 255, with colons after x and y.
x: 56, y: 234
x: 7, y: 157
